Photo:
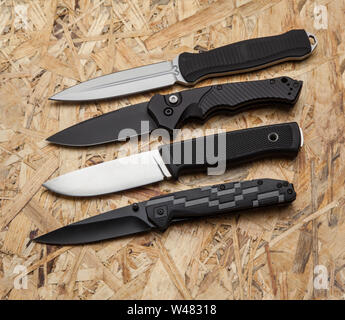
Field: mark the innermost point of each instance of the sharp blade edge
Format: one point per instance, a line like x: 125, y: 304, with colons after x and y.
x: 113, y: 224
x: 111, y: 176
x: 122, y: 83
x: 107, y: 127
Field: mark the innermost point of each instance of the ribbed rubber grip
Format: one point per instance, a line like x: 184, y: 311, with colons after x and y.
x: 218, y: 199
x: 245, y: 55
x: 279, y: 140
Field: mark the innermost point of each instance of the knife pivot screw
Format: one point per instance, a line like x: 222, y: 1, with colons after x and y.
x: 222, y: 187
x: 289, y: 191
x: 168, y: 111
x: 273, y: 137
x: 160, y: 211
x: 135, y: 207
x: 173, y: 99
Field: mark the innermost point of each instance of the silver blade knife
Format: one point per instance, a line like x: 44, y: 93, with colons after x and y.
x: 173, y: 110
x: 189, y: 68
x: 159, y: 212
x: 169, y: 161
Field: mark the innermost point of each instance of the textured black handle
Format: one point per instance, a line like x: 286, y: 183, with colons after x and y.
x: 218, y: 199
x: 279, y: 140
x: 245, y: 55
x: 171, y: 111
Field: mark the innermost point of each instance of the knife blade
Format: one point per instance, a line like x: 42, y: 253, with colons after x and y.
x: 173, y: 110
x: 159, y: 212
x: 169, y: 161
x: 189, y: 68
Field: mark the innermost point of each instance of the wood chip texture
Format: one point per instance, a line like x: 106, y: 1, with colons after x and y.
x: 274, y: 253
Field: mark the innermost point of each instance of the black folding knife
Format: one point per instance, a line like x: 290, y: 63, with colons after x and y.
x: 189, y: 68
x: 160, y: 212
x: 173, y: 110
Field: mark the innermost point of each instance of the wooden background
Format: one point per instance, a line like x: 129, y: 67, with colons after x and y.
x: 46, y: 46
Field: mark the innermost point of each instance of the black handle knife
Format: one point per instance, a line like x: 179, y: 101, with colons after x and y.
x: 172, y: 111
x: 189, y: 68
x: 160, y: 212
x: 169, y: 161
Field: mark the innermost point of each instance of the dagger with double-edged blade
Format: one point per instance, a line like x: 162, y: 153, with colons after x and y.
x: 169, y: 161
x: 173, y: 110
x: 160, y: 212
x: 189, y: 68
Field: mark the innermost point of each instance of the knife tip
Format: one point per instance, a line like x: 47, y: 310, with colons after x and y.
x: 54, y: 97
x: 39, y: 239
x: 61, y: 96
x: 45, y: 240
x: 48, y: 185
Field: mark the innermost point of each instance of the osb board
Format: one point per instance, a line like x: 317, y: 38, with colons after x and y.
x: 46, y: 46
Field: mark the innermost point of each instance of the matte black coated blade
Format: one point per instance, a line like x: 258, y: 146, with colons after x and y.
x: 113, y: 224
x: 106, y: 128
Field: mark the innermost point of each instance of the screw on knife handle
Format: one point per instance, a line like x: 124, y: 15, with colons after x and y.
x: 246, y: 55
x: 232, y: 148
x: 171, y: 111
x: 218, y: 199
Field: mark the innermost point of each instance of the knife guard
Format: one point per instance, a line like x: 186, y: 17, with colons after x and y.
x: 202, y: 103
x: 218, y: 199
x: 246, y: 55
x: 232, y: 148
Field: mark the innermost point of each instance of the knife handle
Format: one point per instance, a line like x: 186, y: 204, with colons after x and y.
x: 246, y: 55
x: 218, y: 199
x: 235, y: 147
x: 171, y: 111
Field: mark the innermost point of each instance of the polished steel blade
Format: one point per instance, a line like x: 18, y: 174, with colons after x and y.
x: 106, y: 128
x: 125, y: 82
x: 113, y: 224
x: 111, y: 176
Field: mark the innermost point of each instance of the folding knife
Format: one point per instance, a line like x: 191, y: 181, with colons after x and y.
x: 159, y: 212
x: 169, y: 161
x: 189, y: 68
x: 171, y: 111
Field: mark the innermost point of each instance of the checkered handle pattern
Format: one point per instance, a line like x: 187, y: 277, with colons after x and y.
x: 218, y: 199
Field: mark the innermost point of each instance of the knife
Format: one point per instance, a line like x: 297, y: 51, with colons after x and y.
x: 172, y: 111
x: 189, y: 68
x: 159, y: 212
x: 169, y: 161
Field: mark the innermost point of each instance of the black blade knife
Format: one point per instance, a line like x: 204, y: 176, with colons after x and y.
x: 189, y: 68
x: 159, y: 212
x: 172, y: 111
